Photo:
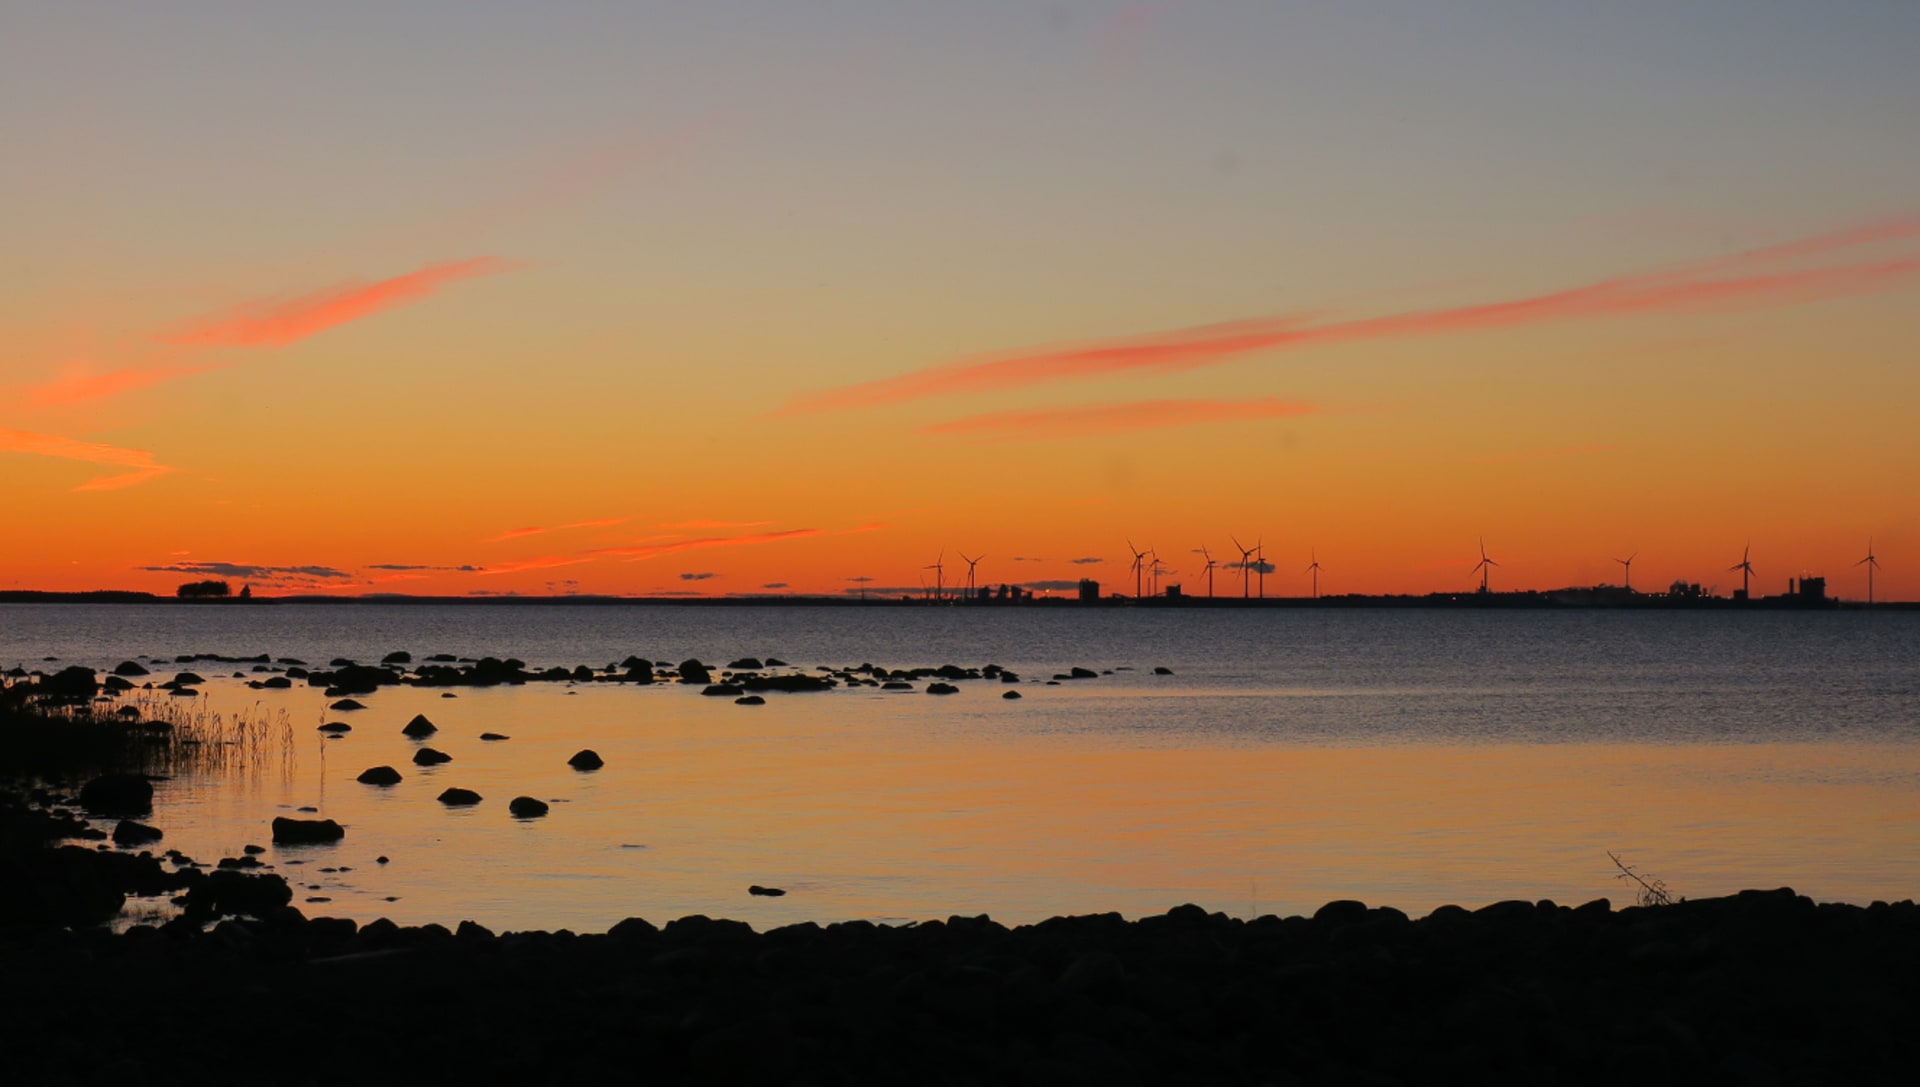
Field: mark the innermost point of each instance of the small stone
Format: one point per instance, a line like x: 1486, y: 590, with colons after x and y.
x: 306, y: 831
x: 1010, y: 695
x: 419, y: 727
x: 455, y: 798
x: 382, y: 859
x: 346, y: 704
x: 253, y: 849
x: 765, y: 892
x: 379, y: 775
x: 491, y: 737
x: 587, y: 759
x: 129, y: 833
x: 428, y: 756
x: 526, y: 807
x: 335, y: 727
x: 750, y: 700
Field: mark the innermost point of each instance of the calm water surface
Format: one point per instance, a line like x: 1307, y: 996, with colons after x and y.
x: 1403, y: 757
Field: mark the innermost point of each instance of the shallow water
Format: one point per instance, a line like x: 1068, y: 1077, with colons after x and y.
x: 1403, y: 757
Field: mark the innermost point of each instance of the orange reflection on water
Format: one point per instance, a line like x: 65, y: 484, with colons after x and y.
x: 905, y: 807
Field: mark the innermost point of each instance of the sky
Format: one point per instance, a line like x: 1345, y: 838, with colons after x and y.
x: 660, y: 298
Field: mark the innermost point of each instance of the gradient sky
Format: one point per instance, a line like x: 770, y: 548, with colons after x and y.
x: 710, y: 298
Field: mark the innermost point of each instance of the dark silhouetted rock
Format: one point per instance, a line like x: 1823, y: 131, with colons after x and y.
x: 790, y: 683
x: 419, y: 727
x: 526, y: 807
x: 750, y: 700
x: 1010, y: 695
x: 588, y: 759
x: 335, y: 727
x: 129, y: 833
x: 72, y: 684
x: 229, y: 892
x: 277, y: 683
x: 346, y: 704
x: 130, y: 668
x: 114, y: 685
x: 379, y: 775
x: 118, y: 794
x: 751, y: 663
x: 692, y: 671
x: 305, y: 831
x: 1083, y: 673
x: 765, y: 892
x: 428, y: 756
x: 1163, y: 671
x: 456, y: 798
x: 491, y: 737
x: 942, y: 688
x: 399, y: 656
x: 723, y: 690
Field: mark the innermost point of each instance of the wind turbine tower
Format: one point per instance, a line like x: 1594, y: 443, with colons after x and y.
x: 1871, y: 564
x: 1314, y: 569
x: 1209, y: 558
x: 1746, y: 572
x: 971, y: 563
x: 1628, y: 563
x: 1137, y: 556
x: 1245, y: 571
x: 1260, y: 563
x: 939, y: 575
x: 1485, y: 565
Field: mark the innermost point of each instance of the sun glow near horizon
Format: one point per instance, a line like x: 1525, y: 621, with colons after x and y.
x: 670, y: 308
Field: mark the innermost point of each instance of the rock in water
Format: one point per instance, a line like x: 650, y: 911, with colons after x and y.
x: 336, y: 727
x: 419, y: 727
x: 347, y: 704
x: 305, y: 831
x: 1163, y: 671
x: 526, y: 807
x: 1010, y: 695
x: 129, y: 833
x: 454, y: 798
x: 493, y: 736
x: 750, y: 700
x: 588, y: 759
x: 765, y: 892
x: 942, y: 688
x: 427, y: 756
x: 118, y: 794
x: 379, y: 775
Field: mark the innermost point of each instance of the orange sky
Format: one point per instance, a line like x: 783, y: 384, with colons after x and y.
x: 666, y: 307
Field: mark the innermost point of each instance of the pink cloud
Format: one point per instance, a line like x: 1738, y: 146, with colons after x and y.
x: 279, y: 322
x: 140, y: 464
x: 1115, y: 418
x: 521, y: 533
x: 1702, y: 285
x: 79, y: 385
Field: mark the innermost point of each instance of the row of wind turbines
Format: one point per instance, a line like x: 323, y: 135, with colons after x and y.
x: 1147, y: 569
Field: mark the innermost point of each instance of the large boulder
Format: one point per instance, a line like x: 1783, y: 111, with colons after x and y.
x: 129, y: 668
x: 428, y: 756
x: 526, y: 807
x: 118, y: 794
x: 305, y: 831
x: 457, y: 798
x: 692, y: 671
x: 586, y: 759
x: 72, y: 684
x: 379, y: 775
x: 419, y: 727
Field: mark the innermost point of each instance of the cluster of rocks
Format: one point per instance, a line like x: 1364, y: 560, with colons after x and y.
x: 1762, y: 987
x: 419, y: 728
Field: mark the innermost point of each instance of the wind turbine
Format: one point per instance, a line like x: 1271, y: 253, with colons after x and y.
x: 939, y: 575
x: 1746, y: 572
x: 1628, y: 563
x: 1485, y: 565
x: 1314, y: 569
x: 1871, y: 564
x: 1137, y: 556
x: 1245, y: 552
x: 971, y: 563
x: 1260, y: 563
x: 1209, y: 571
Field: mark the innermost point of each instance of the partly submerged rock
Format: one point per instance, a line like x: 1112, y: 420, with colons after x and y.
x: 419, y: 727
x: 586, y: 759
x: 305, y: 831
x: 346, y: 704
x: 379, y: 775
x: 428, y: 756
x: 765, y: 892
x: 491, y: 737
x: 118, y: 794
x: 129, y: 833
x: 526, y: 807
x: 456, y: 798
x: 1010, y: 695
x: 335, y: 727
x: 942, y: 688
x: 750, y: 700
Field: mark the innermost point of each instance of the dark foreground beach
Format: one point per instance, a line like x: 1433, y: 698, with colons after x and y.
x: 1759, y: 988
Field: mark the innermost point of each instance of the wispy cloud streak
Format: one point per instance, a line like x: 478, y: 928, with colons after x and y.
x: 1734, y: 280
x: 139, y: 463
x: 522, y: 533
x: 279, y: 322
x: 1114, y: 418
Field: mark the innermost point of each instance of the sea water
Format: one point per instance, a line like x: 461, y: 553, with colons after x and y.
x: 1293, y: 756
